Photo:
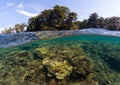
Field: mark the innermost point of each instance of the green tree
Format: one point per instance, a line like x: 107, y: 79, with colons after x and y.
x: 10, y: 30
x: 40, y: 22
x: 93, y: 20
x: 101, y: 22
x: 58, y: 18
x: 6, y: 31
x: 16, y: 27
x: 114, y: 23
x: 71, y: 19
x: 19, y: 27
x: 83, y: 24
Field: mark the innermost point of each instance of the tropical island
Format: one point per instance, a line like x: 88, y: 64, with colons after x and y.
x: 61, y: 18
x: 56, y: 49
x: 56, y: 22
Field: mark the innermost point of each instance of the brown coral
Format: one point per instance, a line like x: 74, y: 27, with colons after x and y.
x: 56, y: 68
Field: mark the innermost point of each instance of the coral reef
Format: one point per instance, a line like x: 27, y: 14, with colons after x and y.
x: 46, y: 64
x: 61, y: 61
x: 81, y: 68
x: 56, y: 68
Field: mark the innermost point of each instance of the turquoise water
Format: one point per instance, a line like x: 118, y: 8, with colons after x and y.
x: 92, y: 40
x: 103, y: 51
x: 80, y: 38
x: 97, y: 38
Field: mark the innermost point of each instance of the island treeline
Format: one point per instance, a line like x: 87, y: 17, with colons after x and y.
x: 61, y: 18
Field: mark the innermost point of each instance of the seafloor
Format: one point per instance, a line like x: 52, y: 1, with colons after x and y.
x: 69, y: 60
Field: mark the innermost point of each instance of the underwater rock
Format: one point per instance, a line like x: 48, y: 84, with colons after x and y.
x: 81, y: 67
x: 42, y: 50
x: 56, y: 68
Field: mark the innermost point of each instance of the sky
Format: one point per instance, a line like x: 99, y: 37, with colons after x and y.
x: 19, y: 11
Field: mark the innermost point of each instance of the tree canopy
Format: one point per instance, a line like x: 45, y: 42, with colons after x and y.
x: 61, y: 18
x: 17, y: 28
x: 58, y: 18
x: 94, y: 21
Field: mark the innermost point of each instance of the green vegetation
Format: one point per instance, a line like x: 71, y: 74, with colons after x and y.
x: 58, y: 69
x: 61, y: 18
x: 58, y: 18
x: 94, y: 21
x: 17, y: 28
x: 71, y: 60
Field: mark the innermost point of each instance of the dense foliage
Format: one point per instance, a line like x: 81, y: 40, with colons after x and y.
x: 61, y: 18
x: 94, y: 21
x: 58, y: 18
x: 17, y: 28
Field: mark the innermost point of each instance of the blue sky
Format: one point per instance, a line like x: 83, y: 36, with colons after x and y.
x: 19, y: 11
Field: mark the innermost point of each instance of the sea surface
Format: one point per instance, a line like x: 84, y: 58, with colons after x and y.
x: 103, y: 51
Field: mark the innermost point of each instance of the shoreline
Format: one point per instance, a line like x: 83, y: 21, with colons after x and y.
x: 8, y: 40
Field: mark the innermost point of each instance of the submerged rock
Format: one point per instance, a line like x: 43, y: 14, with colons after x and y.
x: 56, y: 68
x: 61, y: 63
x: 81, y: 67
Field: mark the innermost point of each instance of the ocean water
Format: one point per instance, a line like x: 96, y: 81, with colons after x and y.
x: 19, y: 65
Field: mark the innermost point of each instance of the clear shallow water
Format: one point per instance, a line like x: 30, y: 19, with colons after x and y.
x: 97, y: 38
x: 103, y: 51
x: 78, y: 38
x: 81, y: 38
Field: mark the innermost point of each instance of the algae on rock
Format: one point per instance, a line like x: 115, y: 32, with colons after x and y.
x: 57, y: 68
x: 55, y: 63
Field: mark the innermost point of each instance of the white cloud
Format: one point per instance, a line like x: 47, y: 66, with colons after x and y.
x: 26, y: 13
x: 9, y: 4
x: 36, y: 7
x: 20, y: 6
